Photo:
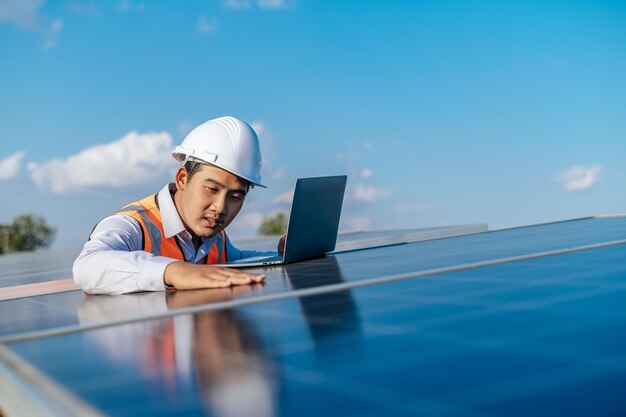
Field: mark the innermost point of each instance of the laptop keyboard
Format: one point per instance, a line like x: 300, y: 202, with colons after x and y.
x: 273, y: 259
x: 257, y: 259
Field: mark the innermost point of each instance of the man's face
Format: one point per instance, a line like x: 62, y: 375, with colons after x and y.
x: 210, y: 200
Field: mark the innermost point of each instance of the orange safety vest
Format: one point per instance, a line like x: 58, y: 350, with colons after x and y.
x: 148, y: 215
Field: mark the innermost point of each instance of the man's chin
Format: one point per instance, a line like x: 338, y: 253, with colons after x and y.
x: 207, y: 232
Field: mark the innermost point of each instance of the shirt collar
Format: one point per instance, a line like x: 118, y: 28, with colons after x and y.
x: 172, y: 224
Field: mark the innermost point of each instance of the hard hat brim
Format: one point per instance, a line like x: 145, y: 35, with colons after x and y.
x: 182, y: 157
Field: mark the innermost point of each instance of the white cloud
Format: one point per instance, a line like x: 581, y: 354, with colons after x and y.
x: 52, y: 34
x: 366, y: 173
x: 124, y: 6
x: 276, y: 4
x: 354, y: 151
x: 368, y: 194
x: 402, y: 208
x: 87, y: 8
x: 25, y: 15
x: 362, y: 222
x: 57, y: 25
x: 248, y: 221
x: 10, y: 166
x: 261, y: 130
x: 185, y: 127
x: 350, y: 155
x: 238, y: 4
x: 277, y: 173
x: 261, y: 4
x: 134, y: 159
x: 285, y: 198
x: 268, y: 151
x: 206, y: 26
x: 580, y: 178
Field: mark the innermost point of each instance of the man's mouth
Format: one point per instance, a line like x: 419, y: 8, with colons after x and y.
x: 212, y: 222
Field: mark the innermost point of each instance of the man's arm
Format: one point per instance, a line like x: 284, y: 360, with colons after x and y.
x: 234, y: 254
x: 113, y: 262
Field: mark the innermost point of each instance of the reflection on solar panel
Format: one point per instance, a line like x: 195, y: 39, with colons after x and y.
x: 523, y: 321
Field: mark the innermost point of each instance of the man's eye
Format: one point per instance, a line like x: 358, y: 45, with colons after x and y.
x: 236, y: 196
x: 212, y: 189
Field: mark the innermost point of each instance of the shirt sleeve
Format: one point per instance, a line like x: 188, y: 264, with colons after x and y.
x: 113, y: 260
x: 234, y: 254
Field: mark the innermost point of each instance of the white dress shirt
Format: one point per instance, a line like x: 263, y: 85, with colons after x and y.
x: 113, y: 261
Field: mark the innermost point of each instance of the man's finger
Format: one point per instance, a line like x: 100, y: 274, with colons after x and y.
x: 240, y: 278
x: 234, y: 273
x: 258, y: 278
x: 241, y: 281
x: 281, y: 245
x: 217, y: 283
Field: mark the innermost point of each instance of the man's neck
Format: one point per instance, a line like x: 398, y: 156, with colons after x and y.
x: 177, y: 199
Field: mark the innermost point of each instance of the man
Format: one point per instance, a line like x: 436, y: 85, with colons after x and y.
x: 173, y: 239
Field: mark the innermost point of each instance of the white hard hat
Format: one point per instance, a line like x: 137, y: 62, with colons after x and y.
x: 227, y: 143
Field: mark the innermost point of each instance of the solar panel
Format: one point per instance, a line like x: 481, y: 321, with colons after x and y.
x: 39, y: 266
x: 23, y: 315
x: 53, y: 264
x: 329, y: 336
x: 359, y: 266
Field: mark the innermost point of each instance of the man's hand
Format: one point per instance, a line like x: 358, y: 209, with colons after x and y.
x: 281, y: 244
x: 187, y: 276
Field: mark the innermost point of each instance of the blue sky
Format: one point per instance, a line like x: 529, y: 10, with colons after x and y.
x: 441, y: 112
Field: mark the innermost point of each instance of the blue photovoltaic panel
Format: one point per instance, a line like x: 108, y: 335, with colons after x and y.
x: 45, y: 265
x: 29, y: 314
x: 542, y: 336
x: 25, y: 268
x: 38, y: 266
x: 24, y: 315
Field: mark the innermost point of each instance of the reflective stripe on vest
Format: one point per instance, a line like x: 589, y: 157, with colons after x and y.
x: 148, y: 215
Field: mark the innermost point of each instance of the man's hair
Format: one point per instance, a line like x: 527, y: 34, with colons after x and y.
x: 192, y: 166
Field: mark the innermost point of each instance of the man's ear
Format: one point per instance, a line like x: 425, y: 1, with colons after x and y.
x: 180, y: 178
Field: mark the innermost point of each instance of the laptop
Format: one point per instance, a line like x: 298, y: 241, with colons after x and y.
x: 313, y: 222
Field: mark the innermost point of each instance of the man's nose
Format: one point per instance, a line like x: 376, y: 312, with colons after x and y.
x: 219, y: 204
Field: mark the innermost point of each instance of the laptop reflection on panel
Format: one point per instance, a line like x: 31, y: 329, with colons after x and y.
x: 313, y: 222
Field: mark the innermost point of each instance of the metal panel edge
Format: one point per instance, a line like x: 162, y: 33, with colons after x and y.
x: 438, y: 233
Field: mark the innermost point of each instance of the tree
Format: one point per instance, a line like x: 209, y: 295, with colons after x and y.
x: 26, y: 233
x: 273, y: 225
